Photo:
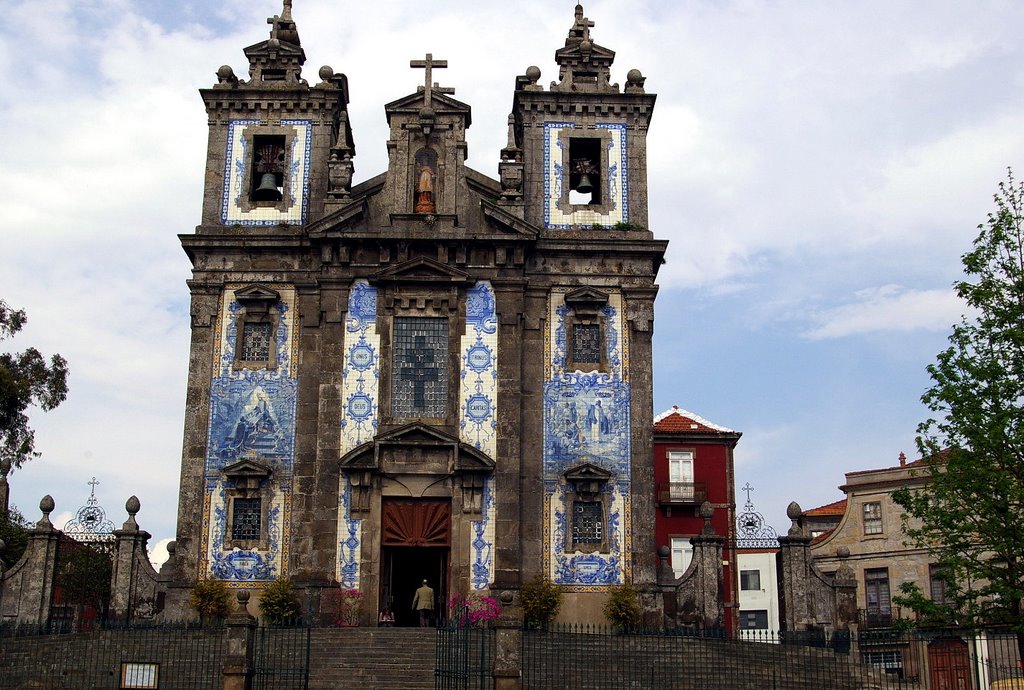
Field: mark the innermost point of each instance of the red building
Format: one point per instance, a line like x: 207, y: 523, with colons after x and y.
x: 693, y: 463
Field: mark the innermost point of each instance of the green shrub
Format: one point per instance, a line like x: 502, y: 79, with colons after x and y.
x: 623, y: 607
x: 541, y: 600
x: 278, y: 601
x: 211, y: 599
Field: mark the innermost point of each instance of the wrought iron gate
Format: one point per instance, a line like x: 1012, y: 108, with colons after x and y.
x: 465, y: 657
x: 281, y: 660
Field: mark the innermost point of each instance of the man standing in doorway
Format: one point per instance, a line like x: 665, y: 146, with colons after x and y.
x: 423, y: 603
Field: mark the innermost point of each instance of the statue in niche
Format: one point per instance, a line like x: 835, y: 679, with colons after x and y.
x: 426, y: 169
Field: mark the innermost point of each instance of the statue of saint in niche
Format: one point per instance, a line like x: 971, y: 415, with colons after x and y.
x: 426, y: 173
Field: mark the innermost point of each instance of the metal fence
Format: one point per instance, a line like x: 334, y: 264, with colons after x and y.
x: 597, y: 658
x: 171, y: 656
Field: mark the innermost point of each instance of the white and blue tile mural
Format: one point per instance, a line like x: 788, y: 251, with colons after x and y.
x: 238, y: 172
x: 252, y: 417
x: 616, y: 193
x: 360, y: 413
x: 478, y: 413
x: 586, y: 420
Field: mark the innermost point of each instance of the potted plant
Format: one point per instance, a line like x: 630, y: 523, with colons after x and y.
x: 541, y: 599
x: 350, y: 608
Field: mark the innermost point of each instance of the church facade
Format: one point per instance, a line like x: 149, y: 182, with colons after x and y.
x: 432, y: 374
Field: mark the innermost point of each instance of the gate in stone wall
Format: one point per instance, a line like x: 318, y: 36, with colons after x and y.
x: 281, y: 656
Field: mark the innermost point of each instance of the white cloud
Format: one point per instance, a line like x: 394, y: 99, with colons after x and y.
x: 889, y: 308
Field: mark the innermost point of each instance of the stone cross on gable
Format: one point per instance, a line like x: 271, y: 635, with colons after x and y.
x: 430, y: 86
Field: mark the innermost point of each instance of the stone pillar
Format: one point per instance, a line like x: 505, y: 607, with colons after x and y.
x: 707, y: 553
x: 239, y: 647
x: 667, y: 587
x: 508, y: 646
x: 130, y: 545
x: 845, y: 584
x: 794, y: 573
x: 28, y: 586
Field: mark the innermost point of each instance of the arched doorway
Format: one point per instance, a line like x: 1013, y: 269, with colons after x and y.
x: 415, y: 546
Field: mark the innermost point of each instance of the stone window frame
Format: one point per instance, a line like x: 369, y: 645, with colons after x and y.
x: 259, y: 305
x: 584, y: 307
x: 871, y: 514
x: 450, y: 387
x: 247, y: 479
x: 587, y: 483
x: 877, y: 576
x: 605, y: 140
x: 245, y: 180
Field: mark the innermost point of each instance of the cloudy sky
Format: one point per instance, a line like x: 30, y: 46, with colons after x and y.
x: 819, y: 168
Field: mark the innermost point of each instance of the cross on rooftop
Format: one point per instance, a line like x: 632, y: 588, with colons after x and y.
x: 748, y: 488
x: 92, y: 494
x: 430, y: 86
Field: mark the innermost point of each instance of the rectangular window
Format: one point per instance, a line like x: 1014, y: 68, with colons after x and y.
x: 419, y: 367
x: 586, y: 343
x: 682, y: 554
x: 873, y: 518
x: 750, y: 580
x: 754, y: 620
x: 245, y: 519
x: 680, y: 475
x: 587, y: 522
x: 256, y: 338
x: 876, y: 596
x: 937, y: 584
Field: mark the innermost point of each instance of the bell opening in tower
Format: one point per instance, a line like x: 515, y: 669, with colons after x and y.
x: 268, y: 165
x: 584, y: 167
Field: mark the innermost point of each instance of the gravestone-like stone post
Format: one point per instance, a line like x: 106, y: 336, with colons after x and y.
x: 794, y: 572
x: 845, y: 584
x: 707, y: 552
x: 508, y: 644
x: 239, y: 647
x: 5, y: 487
x: 130, y: 545
x: 28, y: 585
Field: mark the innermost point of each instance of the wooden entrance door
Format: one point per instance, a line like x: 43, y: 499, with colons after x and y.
x: 950, y: 664
x: 415, y: 546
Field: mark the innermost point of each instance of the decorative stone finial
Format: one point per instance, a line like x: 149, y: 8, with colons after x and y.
x: 326, y: 75
x: 226, y: 75
x: 242, y: 596
x: 664, y: 552
x: 635, y: 81
x: 707, y: 511
x: 46, y: 505
x: 132, y: 505
x: 843, y: 552
x: 794, y: 513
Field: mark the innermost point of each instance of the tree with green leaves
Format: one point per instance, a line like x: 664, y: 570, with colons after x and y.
x: 969, y: 512
x: 25, y: 379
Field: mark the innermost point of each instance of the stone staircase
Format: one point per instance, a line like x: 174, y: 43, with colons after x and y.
x: 372, y: 658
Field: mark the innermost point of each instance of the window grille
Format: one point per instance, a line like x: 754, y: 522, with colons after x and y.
x: 245, y: 520
x: 256, y: 339
x: 419, y: 367
x: 587, y: 527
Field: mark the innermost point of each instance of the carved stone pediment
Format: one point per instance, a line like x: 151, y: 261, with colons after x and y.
x: 421, y: 270
x: 256, y: 293
x: 339, y: 221
x: 586, y: 297
x: 416, y: 449
x: 247, y: 474
x: 587, y: 478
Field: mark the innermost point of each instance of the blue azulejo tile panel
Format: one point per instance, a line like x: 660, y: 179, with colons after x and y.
x: 252, y: 417
x: 478, y: 373
x: 350, y: 535
x: 360, y: 374
x: 238, y: 174
x: 482, y: 541
x: 581, y: 571
x: 586, y: 420
x: 615, y: 206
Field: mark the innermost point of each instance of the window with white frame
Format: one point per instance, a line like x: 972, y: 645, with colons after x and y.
x: 873, y: 518
x: 682, y: 554
x: 680, y: 475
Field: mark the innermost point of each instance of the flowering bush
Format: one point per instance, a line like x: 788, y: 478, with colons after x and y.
x: 466, y: 610
x: 350, y: 607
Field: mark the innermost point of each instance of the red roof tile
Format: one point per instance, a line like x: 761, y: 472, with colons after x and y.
x: 837, y: 508
x: 678, y: 420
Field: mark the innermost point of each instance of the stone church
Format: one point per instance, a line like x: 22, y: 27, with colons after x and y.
x: 431, y: 374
